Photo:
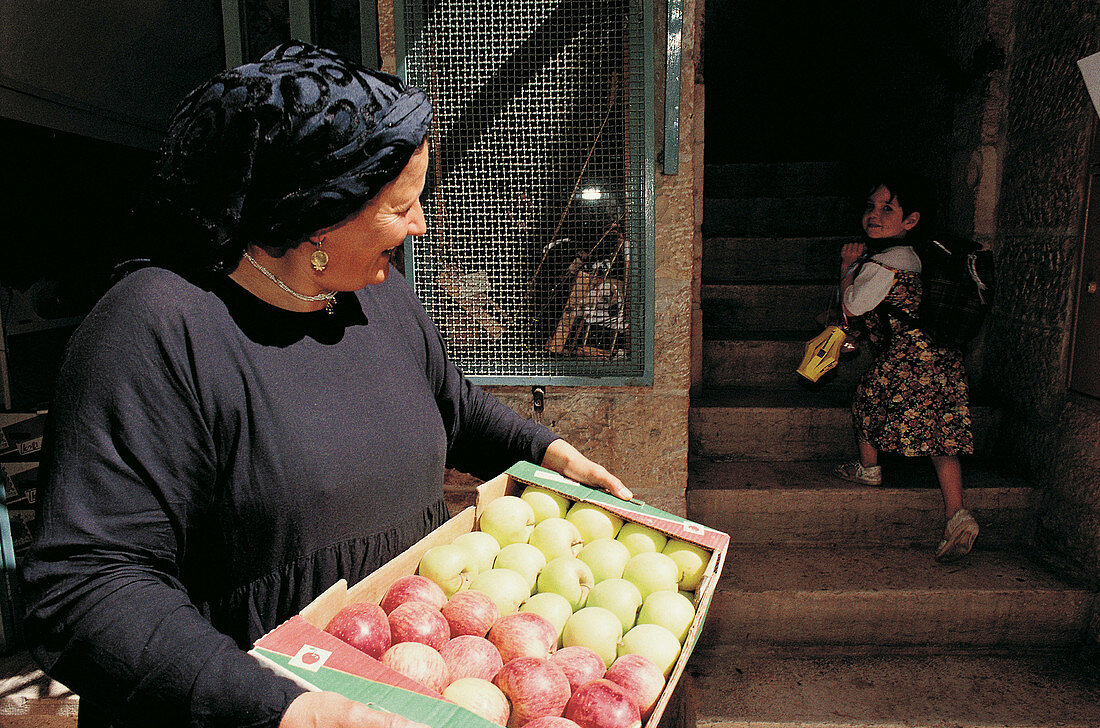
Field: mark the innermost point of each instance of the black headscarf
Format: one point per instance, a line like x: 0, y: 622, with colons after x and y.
x: 270, y: 152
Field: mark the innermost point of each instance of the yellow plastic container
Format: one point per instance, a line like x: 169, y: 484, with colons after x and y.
x: 822, y: 353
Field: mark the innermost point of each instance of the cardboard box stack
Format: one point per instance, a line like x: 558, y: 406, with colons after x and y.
x: 20, y: 445
x: 302, y: 650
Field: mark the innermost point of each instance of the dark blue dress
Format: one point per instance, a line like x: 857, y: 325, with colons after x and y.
x: 213, y: 463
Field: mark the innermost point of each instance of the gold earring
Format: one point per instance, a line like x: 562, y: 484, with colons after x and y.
x: 319, y: 258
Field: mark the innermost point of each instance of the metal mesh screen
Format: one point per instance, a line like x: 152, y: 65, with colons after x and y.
x: 536, y: 260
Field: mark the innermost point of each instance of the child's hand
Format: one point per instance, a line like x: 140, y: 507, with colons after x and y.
x: 850, y: 254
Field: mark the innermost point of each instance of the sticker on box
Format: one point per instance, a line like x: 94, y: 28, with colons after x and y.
x: 21, y: 435
x: 320, y: 661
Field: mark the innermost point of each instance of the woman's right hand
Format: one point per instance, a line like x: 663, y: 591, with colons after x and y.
x: 850, y: 254
x: 332, y: 710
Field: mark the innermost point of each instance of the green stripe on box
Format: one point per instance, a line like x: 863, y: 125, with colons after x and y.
x: 533, y: 474
x: 380, y: 696
x: 674, y: 525
x: 701, y: 618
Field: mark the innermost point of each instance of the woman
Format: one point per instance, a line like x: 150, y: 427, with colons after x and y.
x: 269, y: 413
x: 913, y: 401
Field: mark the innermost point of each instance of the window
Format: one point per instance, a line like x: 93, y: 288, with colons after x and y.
x: 538, y: 261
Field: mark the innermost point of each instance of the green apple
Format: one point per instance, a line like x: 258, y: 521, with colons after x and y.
x: 593, y: 522
x: 481, y: 547
x: 651, y: 572
x: 545, y: 503
x: 521, y: 557
x: 556, y: 537
x: 669, y: 609
x: 568, y: 576
x: 554, y: 607
x: 508, y: 519
x: 652, y: 641
x: 448, y: 566
x: 691, y: 559
x: 606, y: 557
x: 618, y: 596
x: 505, y: 587
x: 596, y: 628
x: 640, y: 539
x: 481, y: 697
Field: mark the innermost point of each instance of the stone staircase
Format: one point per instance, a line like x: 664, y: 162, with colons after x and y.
x: 831, y: 611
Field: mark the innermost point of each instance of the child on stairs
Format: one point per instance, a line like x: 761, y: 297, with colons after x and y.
x: 913, y: 400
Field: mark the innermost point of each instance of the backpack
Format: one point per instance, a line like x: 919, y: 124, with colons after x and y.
x: 957, y: 281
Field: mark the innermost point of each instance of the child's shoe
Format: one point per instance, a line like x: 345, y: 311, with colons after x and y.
x: 958, y: 537
x: 855, y: 472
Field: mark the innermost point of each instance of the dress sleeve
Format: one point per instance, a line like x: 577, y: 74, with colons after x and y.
x: 869, y: 288
x: 128, y: 468
x: 485, y: 437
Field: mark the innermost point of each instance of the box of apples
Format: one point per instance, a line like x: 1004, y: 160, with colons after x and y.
x: 546, y: 605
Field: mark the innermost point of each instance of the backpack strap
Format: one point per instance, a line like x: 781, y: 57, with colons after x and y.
x: 969, y: 250
x: 972, y: 269
x: 883, y: 309
x: 908, y: 319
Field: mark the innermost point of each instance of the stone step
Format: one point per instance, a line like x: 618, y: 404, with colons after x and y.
x: 780, y: 216
x: 890, y: 597
x: 786, y: 179
x: 801, y: 503
x: 795, y: 424
x: 731, y: 310
x: 729, y: 259
x: 733, y: 688
x: 772, y: 363
x: 768, y: 359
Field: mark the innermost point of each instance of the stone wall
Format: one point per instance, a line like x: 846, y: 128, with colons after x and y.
x: 983, y: 40
x: 637, y: 432
x: 1047, y: 430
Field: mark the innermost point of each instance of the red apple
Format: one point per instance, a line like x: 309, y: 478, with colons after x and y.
x: 480, y: 697
x: 419, y: 622
x: 524, y: 634
x: 419, y: 662
x: 413, y: 588
x: 640, y: 677
x: 535, y: 686
x: 549, y: 721
x: 580, y: 664
x: 603, y: 704
x: 471, y: 656
x: 364, y: 626
x: 470, y: 612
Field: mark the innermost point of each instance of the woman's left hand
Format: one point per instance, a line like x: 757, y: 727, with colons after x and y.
x: 567, y: 460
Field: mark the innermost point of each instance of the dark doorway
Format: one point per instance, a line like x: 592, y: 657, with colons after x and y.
x: 849, y: 81
x: 65, y: 201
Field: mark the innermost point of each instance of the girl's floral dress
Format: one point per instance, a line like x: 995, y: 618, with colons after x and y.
x: 914, y: 398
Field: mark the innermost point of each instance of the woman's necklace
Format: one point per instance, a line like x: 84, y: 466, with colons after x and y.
x: 328, y: 296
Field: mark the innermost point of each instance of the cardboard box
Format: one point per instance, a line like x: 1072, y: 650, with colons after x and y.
x: 18, y: 491
x: 21, y: 435
x: 301, y: 649
x: 20, y: 483
x: 20, y: 448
